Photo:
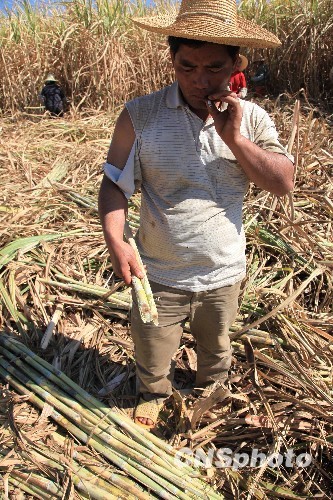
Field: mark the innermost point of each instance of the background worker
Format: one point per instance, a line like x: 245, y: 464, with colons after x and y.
x: 237, y: 80
x: 192, y: 147
x: 53, y: 97
x: 260, y: 77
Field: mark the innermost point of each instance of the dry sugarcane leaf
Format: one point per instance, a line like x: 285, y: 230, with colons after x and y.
x: 220, y: 394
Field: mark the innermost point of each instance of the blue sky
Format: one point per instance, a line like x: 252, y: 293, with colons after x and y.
x: 9, y: 3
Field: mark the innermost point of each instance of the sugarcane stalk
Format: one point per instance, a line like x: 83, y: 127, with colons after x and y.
x: 51, y: 326
x: 84, y: 472
x: 121, y: 296
x: 123, y: 482
x: 142, y: 299
x: 30, y: 489
x: 86, y: 289
x: 51, y: 489
x: 87, y: 421
x: 142, y: 473
x: 76, y: 413
x: 145, y: 296
x: 92, y: 423
x: 157, y: 446
x: 85, y: 438
x: 100, y: 438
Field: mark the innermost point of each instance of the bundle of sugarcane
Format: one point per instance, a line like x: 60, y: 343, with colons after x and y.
x: 144, y: 295
x: 149, y: 461
x: 90, y: 475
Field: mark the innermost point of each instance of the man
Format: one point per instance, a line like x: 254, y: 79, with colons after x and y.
x: 53, y: 97
x: 260, y: 77
x: 193, y: 147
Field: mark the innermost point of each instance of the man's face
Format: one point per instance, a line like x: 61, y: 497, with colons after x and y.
x: 201, y: 72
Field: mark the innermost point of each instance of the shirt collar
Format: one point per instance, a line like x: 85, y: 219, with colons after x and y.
x: 174, y: 98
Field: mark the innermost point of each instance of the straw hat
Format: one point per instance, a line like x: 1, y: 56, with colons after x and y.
x: 50, y: 78
x: 244, y: 62
x: 213, y: 21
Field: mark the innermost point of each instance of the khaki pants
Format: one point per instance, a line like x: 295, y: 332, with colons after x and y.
x: 211, y: 313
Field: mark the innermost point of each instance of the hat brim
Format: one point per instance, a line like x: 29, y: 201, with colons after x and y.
x: 244, y: 64
x: 243, y: 32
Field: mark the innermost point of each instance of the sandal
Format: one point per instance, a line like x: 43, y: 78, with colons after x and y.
x: 147, y: 409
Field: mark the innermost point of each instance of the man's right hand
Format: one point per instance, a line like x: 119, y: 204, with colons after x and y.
x: 124, y: 262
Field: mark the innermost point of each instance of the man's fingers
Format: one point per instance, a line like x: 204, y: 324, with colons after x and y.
x: 222, y: 95
x: 212, y: 108
x: 125, y: 264
x: 136, y: 269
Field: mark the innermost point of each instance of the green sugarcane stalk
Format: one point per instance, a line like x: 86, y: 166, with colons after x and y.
x: 159, y: 447
x: 123, y: 482
x: 90, y: 423
x: 118, y: 303
x: 55, y: 461
x: 121, y: 296
x: 123, y: 449
x: 81, y: 477
x: 42, y: 483
x: 150, y: 480
x: 74, y: 411
x: 161, y: 459
x: 83, y: 437
x: 30, y: 489
x: 142, y: 299
x: 94, y: 491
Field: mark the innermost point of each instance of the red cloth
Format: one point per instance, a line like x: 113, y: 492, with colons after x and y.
x: 237, y: 81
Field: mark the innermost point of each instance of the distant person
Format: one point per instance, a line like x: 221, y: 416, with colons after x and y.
x: 53, y: 97
x: 237, y: 79
x: 260, y: 77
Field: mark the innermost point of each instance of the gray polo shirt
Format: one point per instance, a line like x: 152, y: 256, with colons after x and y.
x: 191, y: 234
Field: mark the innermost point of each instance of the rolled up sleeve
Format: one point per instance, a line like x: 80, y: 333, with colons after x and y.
x: 127, y: 179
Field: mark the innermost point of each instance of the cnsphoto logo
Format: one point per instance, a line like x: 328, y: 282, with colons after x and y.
x: 225, y: 457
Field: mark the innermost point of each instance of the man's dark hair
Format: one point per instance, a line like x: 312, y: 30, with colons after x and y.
x: 175, y: 43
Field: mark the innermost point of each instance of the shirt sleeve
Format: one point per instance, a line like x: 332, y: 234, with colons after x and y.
x: 129, y: 178
x: 266, y: 136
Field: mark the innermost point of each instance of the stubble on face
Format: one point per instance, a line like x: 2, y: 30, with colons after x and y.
x: 201, y: 72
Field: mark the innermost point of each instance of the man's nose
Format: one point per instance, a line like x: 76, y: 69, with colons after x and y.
x: 201, y: 81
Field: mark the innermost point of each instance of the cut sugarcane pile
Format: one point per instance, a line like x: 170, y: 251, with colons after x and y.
x: 149, y: 461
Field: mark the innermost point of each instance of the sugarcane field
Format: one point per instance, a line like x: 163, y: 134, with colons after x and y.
x: 68, y: 385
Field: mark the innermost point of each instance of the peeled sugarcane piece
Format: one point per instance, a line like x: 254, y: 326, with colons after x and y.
x: 146, y: 303
x: 141, y: 296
